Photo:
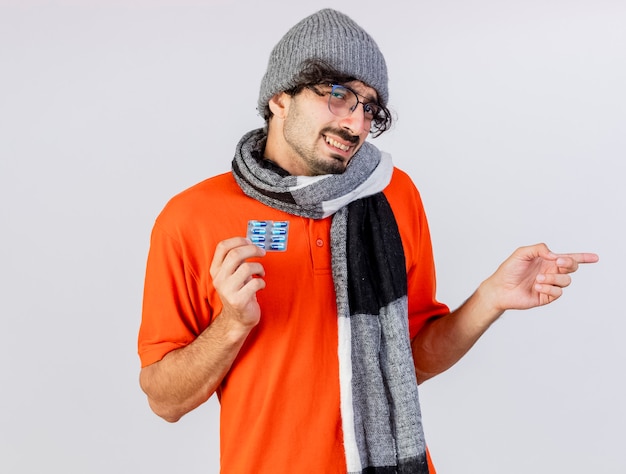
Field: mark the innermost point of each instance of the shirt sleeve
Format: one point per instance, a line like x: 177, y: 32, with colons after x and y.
x: 175, y: 308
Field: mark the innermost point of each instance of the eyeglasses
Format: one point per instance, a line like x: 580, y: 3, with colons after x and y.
x: 342, y: 101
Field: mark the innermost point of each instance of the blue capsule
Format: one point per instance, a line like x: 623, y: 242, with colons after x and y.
x: 269, y: 235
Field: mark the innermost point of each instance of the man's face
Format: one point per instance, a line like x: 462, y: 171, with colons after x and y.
x: 316, y: 140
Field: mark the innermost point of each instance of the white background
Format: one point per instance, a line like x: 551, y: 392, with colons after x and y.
x: 511, y: 120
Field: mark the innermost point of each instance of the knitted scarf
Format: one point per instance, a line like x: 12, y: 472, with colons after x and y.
x: 380, y: 410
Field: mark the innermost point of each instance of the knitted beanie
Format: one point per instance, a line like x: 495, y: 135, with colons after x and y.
x: 334, y: 38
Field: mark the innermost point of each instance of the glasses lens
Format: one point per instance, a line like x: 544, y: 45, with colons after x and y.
x: 372, y: 111
x: 342, y: 101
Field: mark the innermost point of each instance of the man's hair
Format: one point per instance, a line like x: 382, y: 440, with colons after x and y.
x: 314, y: 72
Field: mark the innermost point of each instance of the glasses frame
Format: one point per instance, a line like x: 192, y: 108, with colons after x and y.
x: 380, y: 121
x: 369, y: 115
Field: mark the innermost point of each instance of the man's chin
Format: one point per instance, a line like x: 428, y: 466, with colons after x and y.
x: 335, y: 165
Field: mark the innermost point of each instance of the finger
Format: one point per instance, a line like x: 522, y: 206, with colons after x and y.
x: 531, y: 252
x: 244, y: 294
x: 235, y: 284
x: 584, y: 257
x: 225, y: 246
x: 237, y: 257
x: 237, y: 289
x: 568, y: 263
x: 253, y: 285
x: 552, y: 292
x: 231, y: 253
x: 554, y: 279
x: 248, y: 271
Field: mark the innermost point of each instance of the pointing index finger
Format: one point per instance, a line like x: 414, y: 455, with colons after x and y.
x: 584, y: 257
x: 574, y: 259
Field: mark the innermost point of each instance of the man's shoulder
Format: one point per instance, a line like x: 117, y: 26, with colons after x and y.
x: 209, y: 195
x: 402, y: 194
x: 400, y: 182
x: 214, y: 186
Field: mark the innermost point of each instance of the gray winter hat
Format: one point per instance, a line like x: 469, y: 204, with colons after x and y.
x: 334, y: 38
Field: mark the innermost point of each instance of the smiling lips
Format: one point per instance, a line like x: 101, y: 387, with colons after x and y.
x: 336, y: 144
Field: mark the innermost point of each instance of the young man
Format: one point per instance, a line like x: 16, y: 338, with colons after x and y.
x: 301, y: 286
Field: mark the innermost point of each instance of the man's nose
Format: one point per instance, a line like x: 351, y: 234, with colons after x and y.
x: 355, y: 121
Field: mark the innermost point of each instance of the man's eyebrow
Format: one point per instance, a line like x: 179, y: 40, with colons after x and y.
x: 368, y: 98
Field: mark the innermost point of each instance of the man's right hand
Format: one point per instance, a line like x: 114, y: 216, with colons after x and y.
x: 237, y: 280
x: 186, y: 377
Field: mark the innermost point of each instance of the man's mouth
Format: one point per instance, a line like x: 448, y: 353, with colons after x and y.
x: 336, y: 144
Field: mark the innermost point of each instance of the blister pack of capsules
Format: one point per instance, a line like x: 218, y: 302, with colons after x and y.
x: 269, y: 235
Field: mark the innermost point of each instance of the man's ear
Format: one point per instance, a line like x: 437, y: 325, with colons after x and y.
x: 279, y: 104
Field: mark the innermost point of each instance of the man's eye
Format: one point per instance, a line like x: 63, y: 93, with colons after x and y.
x: 338, y: 95
x: 371, y: 110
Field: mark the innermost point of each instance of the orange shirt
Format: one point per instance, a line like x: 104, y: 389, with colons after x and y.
x: 280, y: 400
